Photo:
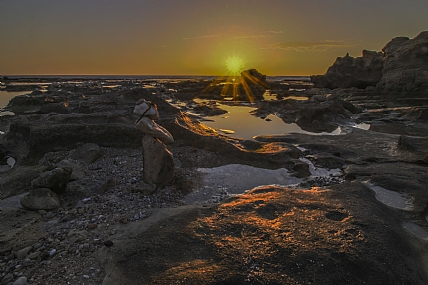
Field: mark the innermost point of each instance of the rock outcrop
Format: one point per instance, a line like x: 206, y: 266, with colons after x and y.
x: 158, y: 160
x: 401, y: 66
x: 348, y: 72
x: 405, y: 66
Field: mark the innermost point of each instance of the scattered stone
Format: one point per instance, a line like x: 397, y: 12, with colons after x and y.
x: 21, y: 254
x: 34, y: 255
x: 108, y: 243
x: 41, y: 199
x: 52, y: 252
x: 7, y: 279
x: 20, y: 281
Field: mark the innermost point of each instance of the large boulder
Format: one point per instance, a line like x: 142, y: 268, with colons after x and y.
x: 405, y: 66
x: 158, y: 162
x: 348, y: 71
x: 56, y: 179
x: 40, y: 199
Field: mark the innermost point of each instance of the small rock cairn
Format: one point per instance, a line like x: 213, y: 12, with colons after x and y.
x: 158, y: 163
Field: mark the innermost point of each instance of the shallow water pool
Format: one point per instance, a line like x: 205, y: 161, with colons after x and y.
x: 239, y: 123
x: 5, y: 97
x: 236, y: 179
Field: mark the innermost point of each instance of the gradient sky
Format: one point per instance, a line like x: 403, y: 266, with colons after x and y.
x: 195, y: 37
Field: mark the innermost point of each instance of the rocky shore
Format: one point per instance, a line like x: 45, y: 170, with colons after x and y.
x: 343, y: 208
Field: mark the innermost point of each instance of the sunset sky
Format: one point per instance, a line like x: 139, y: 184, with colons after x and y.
x: 196, y: 37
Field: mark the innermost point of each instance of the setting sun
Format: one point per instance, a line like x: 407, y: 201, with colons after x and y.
x: 234, y: 65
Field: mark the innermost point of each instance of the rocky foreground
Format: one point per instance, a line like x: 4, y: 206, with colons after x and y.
x: 75, y: 210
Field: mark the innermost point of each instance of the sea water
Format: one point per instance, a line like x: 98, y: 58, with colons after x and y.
x: 5, y: 97
x: 239, y: 123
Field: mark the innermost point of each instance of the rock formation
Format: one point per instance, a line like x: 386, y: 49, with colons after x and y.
x: 401, y: 66
x: 158, y: 160
x: 348, y: 71
x: 405, y: 65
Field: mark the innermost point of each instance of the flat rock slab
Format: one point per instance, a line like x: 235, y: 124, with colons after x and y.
x: 270, y: 235
x: 357, y: 146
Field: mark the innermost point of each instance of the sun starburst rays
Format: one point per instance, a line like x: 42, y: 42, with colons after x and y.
x: 234, y: 65
x: 236, y: 82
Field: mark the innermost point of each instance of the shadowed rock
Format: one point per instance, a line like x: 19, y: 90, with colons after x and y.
x: 405, y: 65
x: 56, y: 179
x: 158, y: 162
x: 348, y: 72
x: 401, y: 66
x: 149, y: 127
x: 40, y: 199
x: 88, y: 153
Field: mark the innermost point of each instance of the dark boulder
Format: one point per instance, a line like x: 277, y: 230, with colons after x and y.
x: 348, y: 71
x: 405, y: 66
x: 55, y: 180
x: 88, y: 153
x: 158, y: 162
x: 40, y: 199
x: 401, y: 66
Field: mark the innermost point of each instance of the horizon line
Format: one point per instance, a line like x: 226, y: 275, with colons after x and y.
x: 134, y: 75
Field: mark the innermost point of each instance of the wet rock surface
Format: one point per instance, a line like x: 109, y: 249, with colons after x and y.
x: 322, y: 223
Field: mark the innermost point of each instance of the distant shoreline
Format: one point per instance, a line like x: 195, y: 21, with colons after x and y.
x: 141, y: 77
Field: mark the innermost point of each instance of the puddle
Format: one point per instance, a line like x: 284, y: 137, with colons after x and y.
x: 236, y: 179
x: 319, y: 171
x: 363, y: 126
x: 390, y: 198
x: 416, y: 230
x: 245, y: 126
x: 268, y: 96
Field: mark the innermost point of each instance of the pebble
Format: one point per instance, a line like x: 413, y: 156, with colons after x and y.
x: 52, y: 252
x: 21, y: 254
x: 20, y: 281
x: 7, y: 279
